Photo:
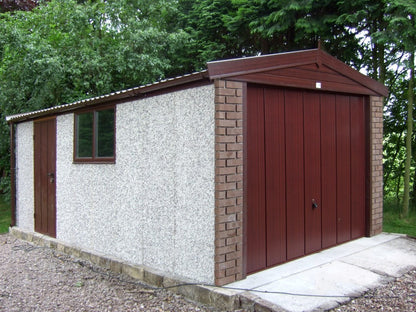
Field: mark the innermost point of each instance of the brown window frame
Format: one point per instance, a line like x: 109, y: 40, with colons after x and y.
x: 94, y: 159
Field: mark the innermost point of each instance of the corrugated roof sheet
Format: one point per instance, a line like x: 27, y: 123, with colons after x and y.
x: 124, y: 94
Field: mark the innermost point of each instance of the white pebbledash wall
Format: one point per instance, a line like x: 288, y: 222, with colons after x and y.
x: 155, y: 206
x: 24, y: 176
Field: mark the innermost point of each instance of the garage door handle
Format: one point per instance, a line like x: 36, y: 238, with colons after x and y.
x: 314, y: 204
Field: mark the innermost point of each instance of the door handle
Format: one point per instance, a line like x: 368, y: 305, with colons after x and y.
x: 51, y: 176
x: 314, y: 204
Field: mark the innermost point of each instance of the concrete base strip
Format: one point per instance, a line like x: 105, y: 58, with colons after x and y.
x: 223, y: 299
x: 328, y: 278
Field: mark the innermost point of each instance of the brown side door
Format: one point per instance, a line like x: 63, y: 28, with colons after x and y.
x: 45, y: 167
x: 306, y: 171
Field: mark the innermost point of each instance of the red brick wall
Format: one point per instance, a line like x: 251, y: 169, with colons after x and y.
x: 229, y: 181
x: 376, y: 165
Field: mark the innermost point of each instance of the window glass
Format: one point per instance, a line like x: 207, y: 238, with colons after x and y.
x: 84, y: 123
x: 94, y: 136
x: 105, y: 133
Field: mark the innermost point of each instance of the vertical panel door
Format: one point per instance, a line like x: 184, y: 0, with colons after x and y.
x: 328, y: 171
x: 275, y: 160
x: 256, y: 229
x: 45, y: 165
x: 358, y: 166
x: 295, y: 197
x: 343, y: 168
x: 312, y: 159
x: 305, y: 171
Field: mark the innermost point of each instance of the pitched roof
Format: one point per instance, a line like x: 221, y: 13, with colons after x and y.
x: 308, y: 69
x: 301, y: 69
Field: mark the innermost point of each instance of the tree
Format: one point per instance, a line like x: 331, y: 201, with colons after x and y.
x: 403, y: 13
x: 63, y: 51
x: 401, y: 32
x: 210, y: 38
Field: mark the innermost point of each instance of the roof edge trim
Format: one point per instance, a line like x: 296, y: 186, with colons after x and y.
x: 256, y: 64
x: 114, y: 96
x: 253, y: 64
x: 343, y: 69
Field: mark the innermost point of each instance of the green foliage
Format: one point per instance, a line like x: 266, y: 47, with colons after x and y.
x: 401, y: 30
x: 400, y: 157
x: 224, y: 29
x: 211, y: 39
x: 63, y: 51
x: 281, y: 25
x: 394, y: 223
x: 5, y: 215
x: 394, y: 147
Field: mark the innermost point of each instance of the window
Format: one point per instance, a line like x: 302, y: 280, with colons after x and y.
x: 94, y: 136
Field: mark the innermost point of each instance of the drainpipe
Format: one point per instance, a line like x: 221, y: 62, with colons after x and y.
x: 13, y: 173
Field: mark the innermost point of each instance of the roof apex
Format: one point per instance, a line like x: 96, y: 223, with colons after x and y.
x: 241, y: 68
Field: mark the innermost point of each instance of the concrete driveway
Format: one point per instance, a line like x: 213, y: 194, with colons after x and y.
x: 326, y: 279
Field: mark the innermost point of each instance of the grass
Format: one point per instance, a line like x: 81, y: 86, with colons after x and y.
x: 393, y: 222
x: 5, y: 215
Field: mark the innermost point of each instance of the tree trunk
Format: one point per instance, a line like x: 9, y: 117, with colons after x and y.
x: 399, y: 177
x: 382, y: 65
x: 406, y: 195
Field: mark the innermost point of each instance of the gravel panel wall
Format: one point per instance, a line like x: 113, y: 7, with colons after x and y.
x: 155, y: 206
x: 24, y: 176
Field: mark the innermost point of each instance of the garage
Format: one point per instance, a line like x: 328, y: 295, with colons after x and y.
x: 299, y: 139
x: 251, y: 163
x: 306, y: 172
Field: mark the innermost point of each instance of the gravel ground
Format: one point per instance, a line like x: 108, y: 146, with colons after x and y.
x: 40, y: 279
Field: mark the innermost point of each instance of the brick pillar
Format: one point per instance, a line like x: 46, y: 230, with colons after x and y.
x: 229, y: 181
x: 376, y: 165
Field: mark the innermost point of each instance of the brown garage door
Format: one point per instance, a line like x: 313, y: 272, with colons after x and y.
x: 306, y: 170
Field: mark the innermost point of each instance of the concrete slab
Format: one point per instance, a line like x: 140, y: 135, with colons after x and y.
x: 324, y: 280
x: 323, y: 286
x: 267, y: 276
x: 398, y: 255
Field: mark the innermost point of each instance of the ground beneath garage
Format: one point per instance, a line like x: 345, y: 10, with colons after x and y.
x: 367, y: 274
x: 35, y: 278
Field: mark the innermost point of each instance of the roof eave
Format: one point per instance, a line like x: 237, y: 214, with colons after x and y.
x: 111, y: 97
